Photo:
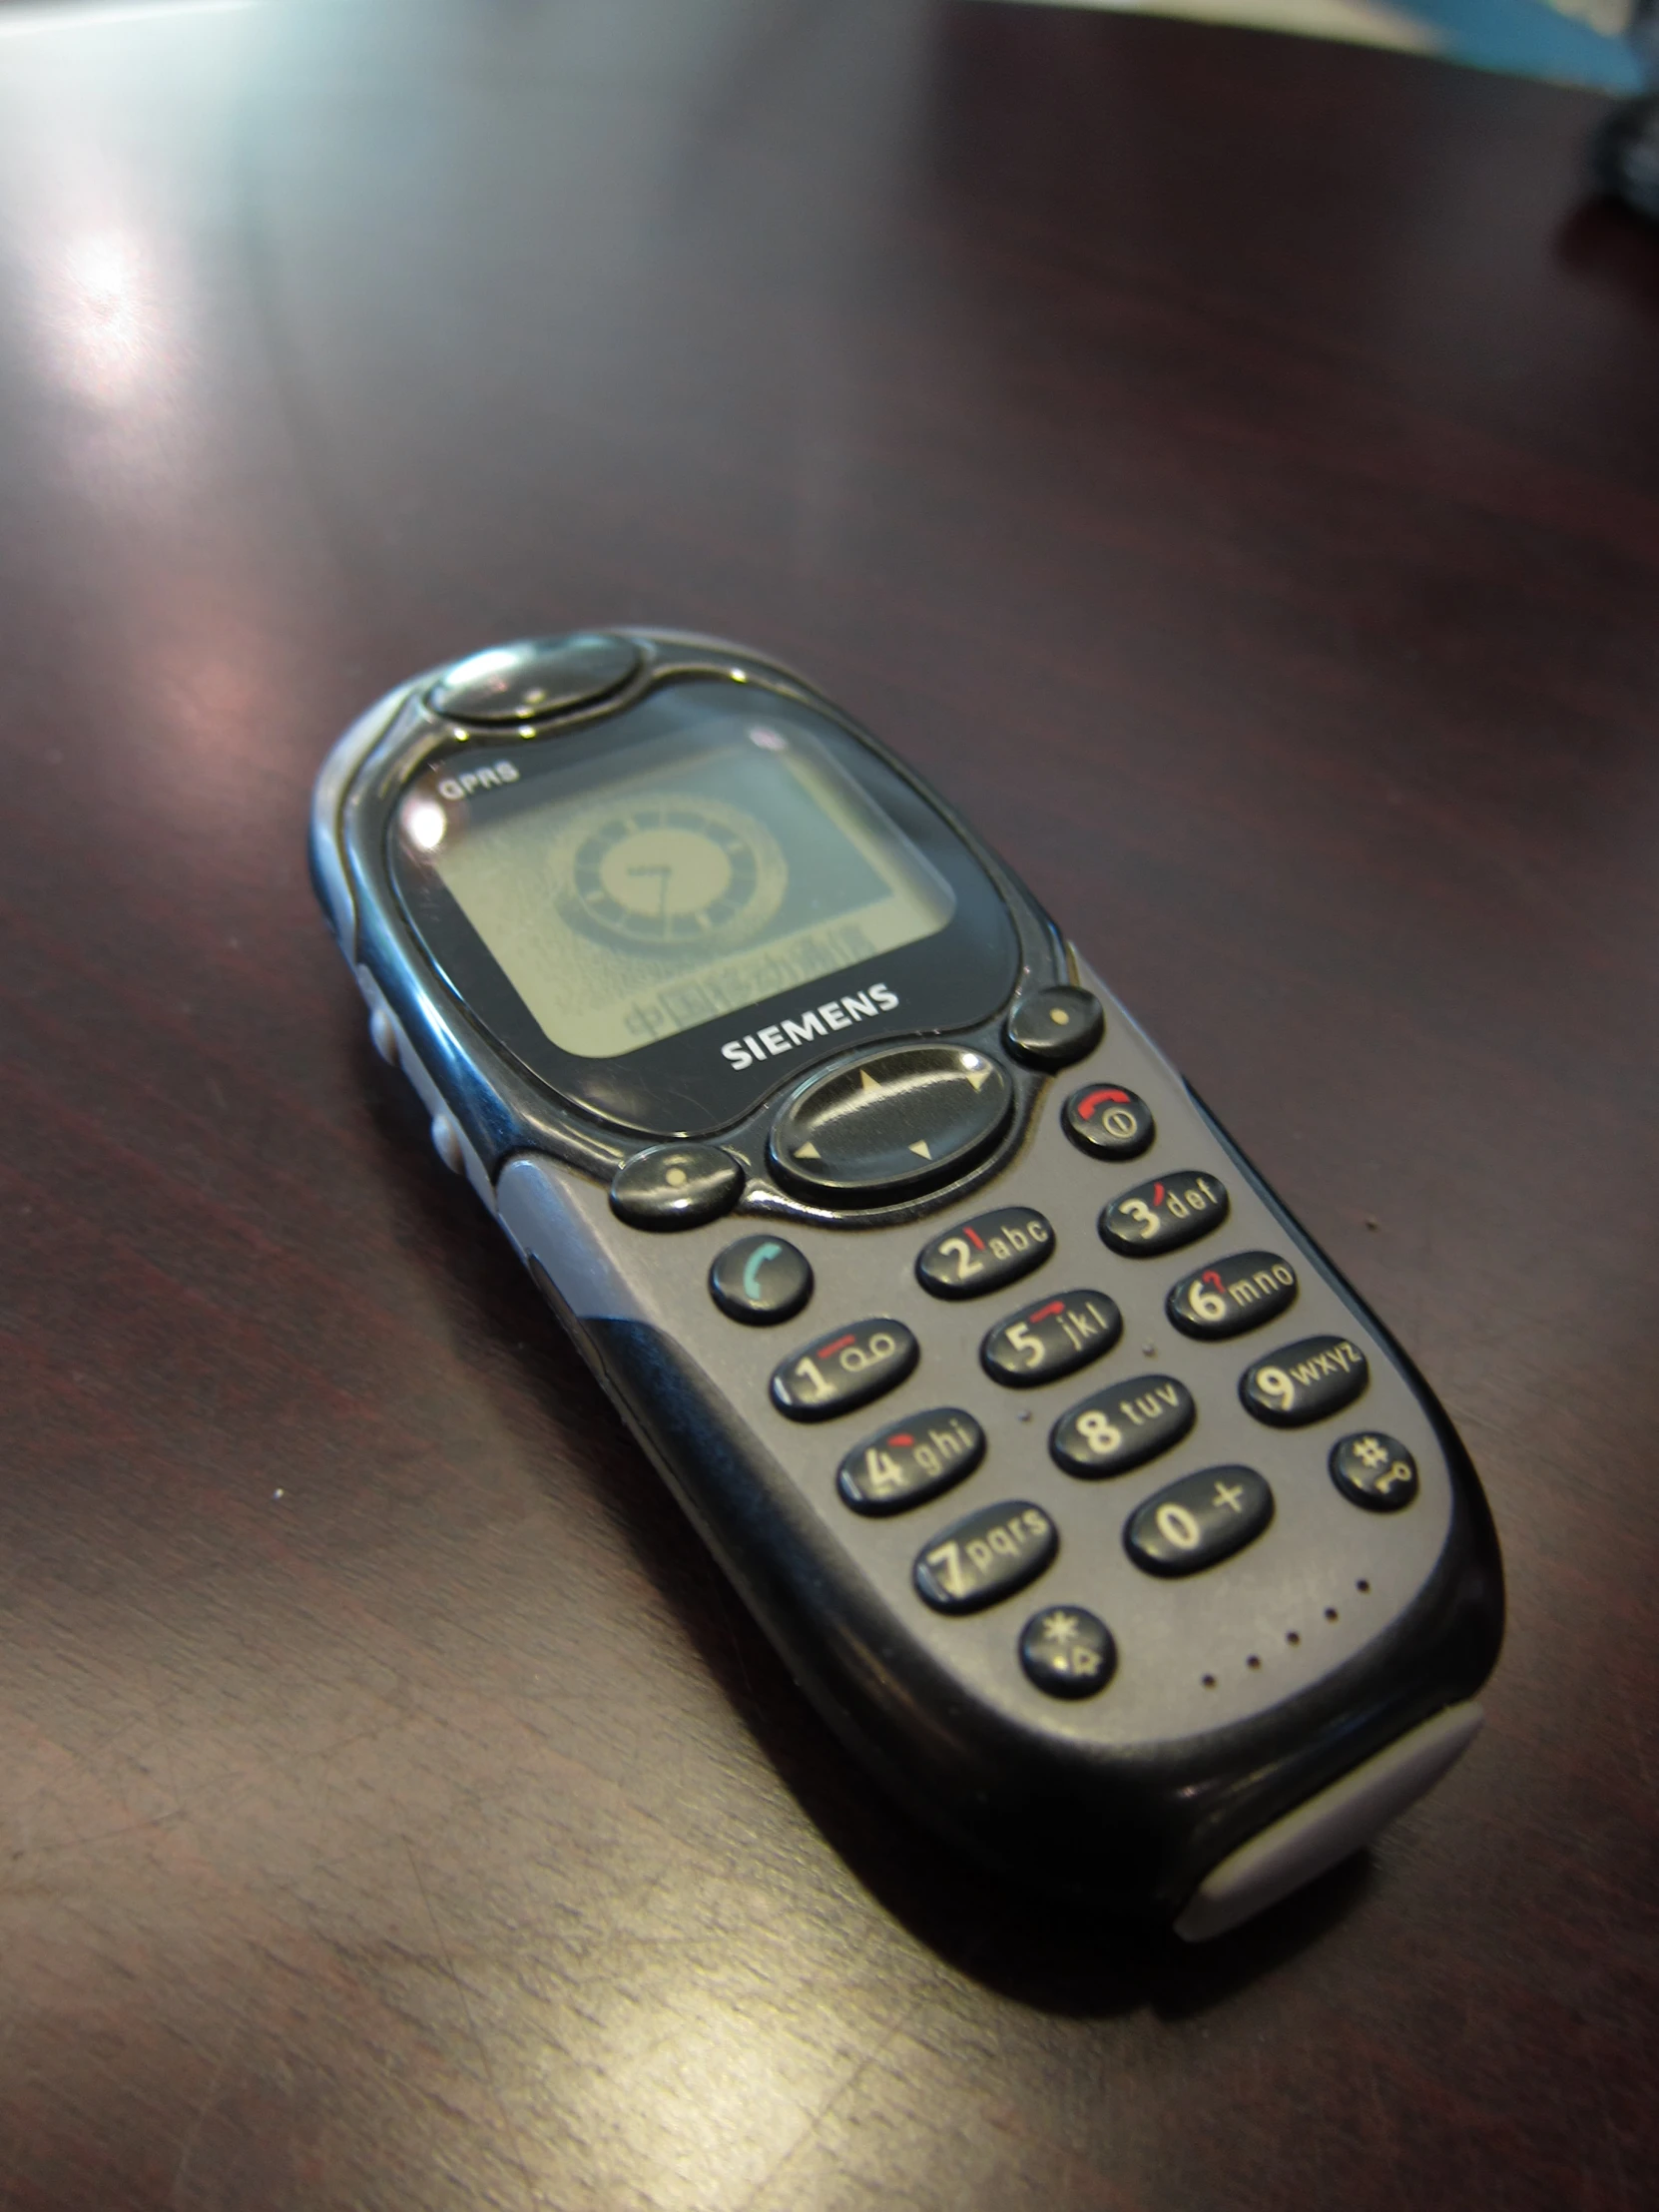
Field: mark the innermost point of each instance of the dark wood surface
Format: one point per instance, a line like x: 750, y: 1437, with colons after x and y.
x: 1230, y: 467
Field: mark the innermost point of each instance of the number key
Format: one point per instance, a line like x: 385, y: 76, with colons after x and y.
x: 844, y: 1370
x: 1199, y: 1520
x: 1161, y: 1214
x: 1054, y: 1336
x: 1304, y: 1382
x: 912, y: 1462
x: 982, y: 1253
x: 1230, y: 1296
x: 987, y: 1556
x: 1122, y: 1426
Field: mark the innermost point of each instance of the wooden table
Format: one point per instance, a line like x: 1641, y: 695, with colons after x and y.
x: 1230, y: 467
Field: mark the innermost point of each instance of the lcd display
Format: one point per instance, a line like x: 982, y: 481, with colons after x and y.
x: 630, y: 895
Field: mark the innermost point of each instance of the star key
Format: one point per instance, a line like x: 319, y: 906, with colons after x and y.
x: 1067, y: 1652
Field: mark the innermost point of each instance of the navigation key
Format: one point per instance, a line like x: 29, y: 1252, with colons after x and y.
x: 901, y: 1119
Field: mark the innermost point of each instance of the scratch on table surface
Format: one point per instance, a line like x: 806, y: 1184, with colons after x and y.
x: 532, y: 2195
x: 204, y: 2106
x: 1638, y: 1746
x: 1611, y: 2133
x: 1386, y: 2122
x: 813, y: 2122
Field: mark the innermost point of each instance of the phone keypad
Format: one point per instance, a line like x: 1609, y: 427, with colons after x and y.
x: 1190, y: 1525
x: 1164, y: 1214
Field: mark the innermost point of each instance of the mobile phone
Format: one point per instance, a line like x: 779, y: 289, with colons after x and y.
x: 1081, y: 1494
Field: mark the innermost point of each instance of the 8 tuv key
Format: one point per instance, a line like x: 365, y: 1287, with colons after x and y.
x: 732, y: 1023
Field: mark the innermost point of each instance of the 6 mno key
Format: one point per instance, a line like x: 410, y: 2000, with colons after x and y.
x: 819, y: 1136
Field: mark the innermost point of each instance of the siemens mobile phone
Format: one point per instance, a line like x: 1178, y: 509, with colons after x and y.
x: 1081, y: 1494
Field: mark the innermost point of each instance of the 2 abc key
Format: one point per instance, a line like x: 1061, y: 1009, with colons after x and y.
x: 986, y: 1253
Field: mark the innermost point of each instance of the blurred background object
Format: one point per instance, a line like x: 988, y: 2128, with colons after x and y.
x: 1607, y: 45
x: 1568, y: 42
x: 1625, y: 151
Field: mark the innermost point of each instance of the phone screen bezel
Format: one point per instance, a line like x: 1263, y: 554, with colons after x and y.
x: 685, y: 1085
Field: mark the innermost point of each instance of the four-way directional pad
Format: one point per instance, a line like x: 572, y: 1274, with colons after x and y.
x: 896, y: 1121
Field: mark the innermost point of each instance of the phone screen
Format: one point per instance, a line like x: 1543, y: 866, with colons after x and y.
x: 633, y: 893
